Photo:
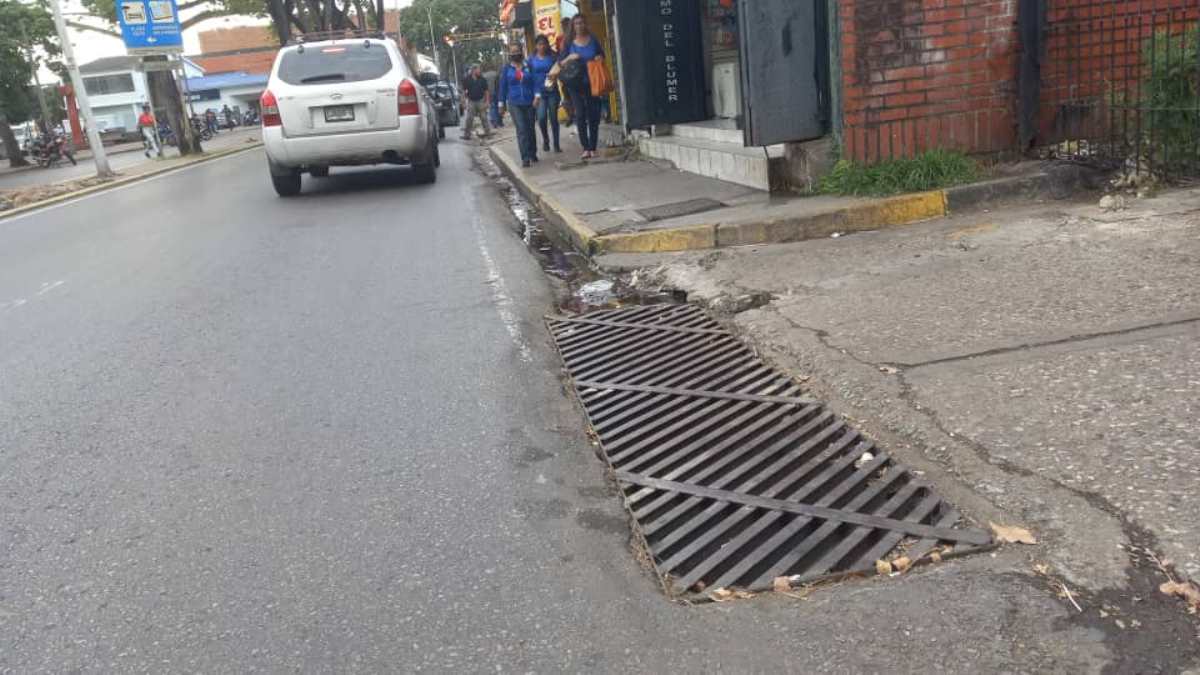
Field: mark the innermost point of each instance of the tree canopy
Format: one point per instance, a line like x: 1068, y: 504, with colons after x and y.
x: 27, y: 37
x: 466, y: 16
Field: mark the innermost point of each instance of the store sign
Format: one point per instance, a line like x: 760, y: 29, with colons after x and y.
x: 547, y: 19
x: 662, y: 51
x: 150, y: 26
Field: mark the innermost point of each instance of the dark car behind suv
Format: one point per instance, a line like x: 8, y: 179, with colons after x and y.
x: 446, y: 98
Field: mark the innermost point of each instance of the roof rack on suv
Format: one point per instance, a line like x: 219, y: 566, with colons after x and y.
x: 342, y: 34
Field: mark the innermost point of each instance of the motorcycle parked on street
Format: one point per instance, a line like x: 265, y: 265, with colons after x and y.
x: 50, y: 151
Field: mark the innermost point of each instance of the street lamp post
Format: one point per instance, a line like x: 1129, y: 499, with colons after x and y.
x: 437, y: 59
x: 453, y: 55
x: 93, y: 133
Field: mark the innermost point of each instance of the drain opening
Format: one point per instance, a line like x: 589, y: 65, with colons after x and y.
x: 733, y: 476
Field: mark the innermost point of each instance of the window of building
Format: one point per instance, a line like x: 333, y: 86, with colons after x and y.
x: 108, y: 84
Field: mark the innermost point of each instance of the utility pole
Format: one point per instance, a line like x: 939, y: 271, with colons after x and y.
x: 437, y: 59
x: 36, y: 82
x: 93, y: 133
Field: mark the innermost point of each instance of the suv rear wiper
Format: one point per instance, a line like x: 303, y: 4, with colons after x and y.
x: 322, y: 78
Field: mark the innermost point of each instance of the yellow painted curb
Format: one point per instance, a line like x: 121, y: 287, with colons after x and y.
x: 568, y: 224
x: 67, y: 196
x: 900, y: 210
x: 659, y: 241
x: 869, y: 215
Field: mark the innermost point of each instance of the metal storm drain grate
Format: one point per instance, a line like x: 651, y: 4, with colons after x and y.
x: 733, y: 477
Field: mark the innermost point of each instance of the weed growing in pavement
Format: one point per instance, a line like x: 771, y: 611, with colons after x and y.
x: 928, y: 171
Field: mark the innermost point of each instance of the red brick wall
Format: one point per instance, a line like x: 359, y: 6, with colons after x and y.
x: 256, y: 62
x: 237, y: 37
x: 921, y: 74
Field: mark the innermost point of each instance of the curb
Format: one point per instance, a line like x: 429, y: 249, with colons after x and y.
x: 80, y: 156
x: 1056, y: 182
x: 207, y: 157
x: 571, y: 226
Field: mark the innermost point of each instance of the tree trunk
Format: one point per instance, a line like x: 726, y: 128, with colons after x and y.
x: 11, y: 147
x: 166, y: 95
x: 279, y: 19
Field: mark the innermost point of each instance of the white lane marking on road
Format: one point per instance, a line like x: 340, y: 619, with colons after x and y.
x: 48, y: 286
x: 4, y: 220
x: 18, y: 302
x: 500, y: 296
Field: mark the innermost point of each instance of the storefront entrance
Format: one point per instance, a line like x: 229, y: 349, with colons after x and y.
x: 758, y: 66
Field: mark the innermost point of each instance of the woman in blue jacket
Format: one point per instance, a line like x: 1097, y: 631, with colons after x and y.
x: 584, y: 47
x: 516, y: 94
x: 545, y: 91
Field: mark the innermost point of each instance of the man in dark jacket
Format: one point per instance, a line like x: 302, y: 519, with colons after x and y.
x: 478, y: 97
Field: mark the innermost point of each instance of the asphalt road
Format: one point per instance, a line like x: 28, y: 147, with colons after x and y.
x: 327, y: 433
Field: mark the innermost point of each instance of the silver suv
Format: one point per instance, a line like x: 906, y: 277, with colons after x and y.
x: 345, y: 102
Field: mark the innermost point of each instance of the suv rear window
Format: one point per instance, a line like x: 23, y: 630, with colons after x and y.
x: 350, y: 62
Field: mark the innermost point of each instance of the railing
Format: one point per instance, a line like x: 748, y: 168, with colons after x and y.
x: 1120, y: 85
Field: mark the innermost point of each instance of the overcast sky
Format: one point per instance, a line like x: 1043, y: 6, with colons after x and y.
x: 90, y: 46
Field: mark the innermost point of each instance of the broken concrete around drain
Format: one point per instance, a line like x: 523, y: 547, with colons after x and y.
x: 1041, y: 363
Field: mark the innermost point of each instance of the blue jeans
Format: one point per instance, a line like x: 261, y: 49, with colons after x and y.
x: 497, y: 121
x: 523, y: 117
x: 547, y: 116
x: 587, y: 117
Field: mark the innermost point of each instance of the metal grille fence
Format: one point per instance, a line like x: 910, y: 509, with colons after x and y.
x: 1120, y: 84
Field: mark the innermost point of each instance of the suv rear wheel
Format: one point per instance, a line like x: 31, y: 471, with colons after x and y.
x: 286, y: 181
x: 427, y: 172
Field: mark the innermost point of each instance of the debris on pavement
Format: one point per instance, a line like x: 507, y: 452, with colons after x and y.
x: 1065, y: 593
x: 1185, y: 590
x: 727, y: 594
x: 596, y: 293
x: 1008, y: 534
x: 1112, y: 203
x: 17, y: 197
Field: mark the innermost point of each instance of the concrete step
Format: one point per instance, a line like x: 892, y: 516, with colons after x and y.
x: 724, y: 161
x: 720, y: 133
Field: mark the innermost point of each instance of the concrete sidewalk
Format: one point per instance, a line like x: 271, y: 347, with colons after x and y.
x: 17, y: 200
x: 122, y: 158
x: 1041, y: 364
x: 622, y: 203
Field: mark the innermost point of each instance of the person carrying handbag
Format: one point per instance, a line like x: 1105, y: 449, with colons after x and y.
x: 582, y: 54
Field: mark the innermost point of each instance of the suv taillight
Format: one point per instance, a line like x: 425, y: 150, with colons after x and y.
x: 270, y: 110
x: 406, y: 97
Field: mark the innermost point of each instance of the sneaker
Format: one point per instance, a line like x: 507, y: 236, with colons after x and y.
x: 525, y: 163
x: 545, y: 146
x: 558, y: 149
x: 535, y: 159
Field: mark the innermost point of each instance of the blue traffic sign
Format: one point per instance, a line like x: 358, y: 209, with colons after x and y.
x: 150, y: 26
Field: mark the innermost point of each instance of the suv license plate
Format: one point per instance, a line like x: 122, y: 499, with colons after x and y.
x: 339, y: 113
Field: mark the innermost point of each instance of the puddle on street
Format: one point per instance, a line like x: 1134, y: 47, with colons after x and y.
x: 583, y: 287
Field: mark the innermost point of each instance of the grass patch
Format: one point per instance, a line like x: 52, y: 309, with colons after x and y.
x: 928, y: 171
